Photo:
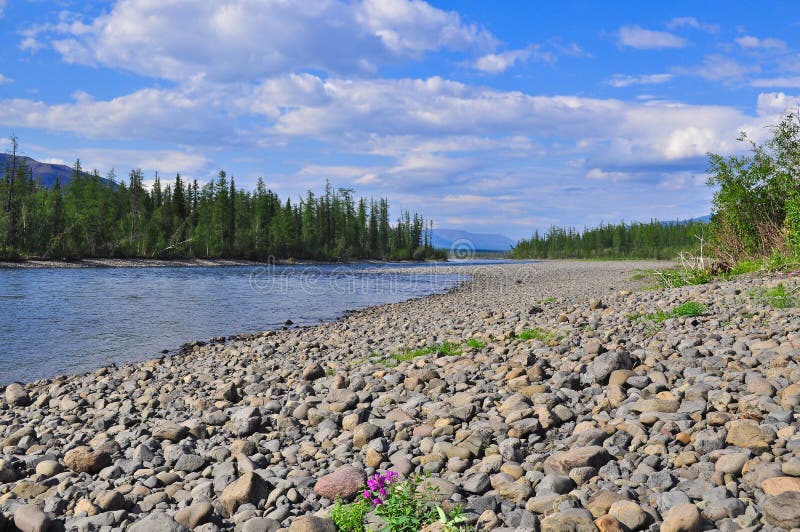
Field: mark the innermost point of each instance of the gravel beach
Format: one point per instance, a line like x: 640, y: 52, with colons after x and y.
x: 573, y: 408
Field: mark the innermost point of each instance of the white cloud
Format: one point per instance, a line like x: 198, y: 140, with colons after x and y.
x: 500, y: 62
x: 778, y: 82
x: 5, y: 80
x: 147, y: 114
x: 416, y: 26
x: 748, y: 41
x: 252, y: 39
x: 643, y: 39
x: 692, y: 22
x: 415, y: 121
x: 622, y: 80
x: 716, y: 67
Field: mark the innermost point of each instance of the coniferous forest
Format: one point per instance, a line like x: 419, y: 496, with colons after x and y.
x: 653, y: 240
x: 98, y: 217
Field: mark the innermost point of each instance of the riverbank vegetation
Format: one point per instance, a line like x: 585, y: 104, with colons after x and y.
x: 653, y: 240
x: 94, y: 217
x: 754, y: 224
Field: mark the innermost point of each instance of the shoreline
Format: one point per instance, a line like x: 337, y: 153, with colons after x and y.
x: 170, y: 263
x: 538, y: 396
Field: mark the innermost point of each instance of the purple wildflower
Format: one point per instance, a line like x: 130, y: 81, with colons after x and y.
x: 377, y: 487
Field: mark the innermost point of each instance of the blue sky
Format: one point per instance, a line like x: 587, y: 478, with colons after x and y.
x: 486, y: 116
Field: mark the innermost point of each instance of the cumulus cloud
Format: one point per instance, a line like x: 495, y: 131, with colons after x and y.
x: 362, y: 114
x: 500, y: 62
x: 252, y: 39
x: 622, y: 80
x: 147, y: 114
x: 644, y: 39
x: 748, y: 41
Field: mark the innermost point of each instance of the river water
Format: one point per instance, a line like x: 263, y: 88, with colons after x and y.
x: 63, y: 321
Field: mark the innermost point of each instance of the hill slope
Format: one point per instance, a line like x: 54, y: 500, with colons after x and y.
x: 46, y: 172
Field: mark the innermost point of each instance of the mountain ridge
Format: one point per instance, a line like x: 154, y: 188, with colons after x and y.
x: 47, y: 173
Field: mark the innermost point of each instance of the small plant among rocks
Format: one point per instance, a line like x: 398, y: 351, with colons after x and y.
x: 350, y: 517
x: 778, y: 297
x: 405, y: 506
x: 690, y: 309
x: 445, y: 348
x: 475, y: 343
x: 537, y: 334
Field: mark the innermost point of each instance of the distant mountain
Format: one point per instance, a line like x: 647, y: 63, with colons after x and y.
x: 46, y: 172
x: 446, y: 238
x: 700, y: 219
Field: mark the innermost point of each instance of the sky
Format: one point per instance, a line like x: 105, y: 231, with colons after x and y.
x: 485, y: 116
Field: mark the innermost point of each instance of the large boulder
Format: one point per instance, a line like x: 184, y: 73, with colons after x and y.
x: 345, y: 482
x: 84, y: 460
x: 249, y: 488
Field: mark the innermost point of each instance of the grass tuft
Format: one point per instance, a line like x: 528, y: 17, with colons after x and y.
x: 537, y: 334
x: 446, y: 348
x: 685, y: 310
x: 778, y: 297
x: 475, y: 343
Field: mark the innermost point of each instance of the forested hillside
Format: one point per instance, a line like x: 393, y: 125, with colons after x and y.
x: 101, y: 217
x: 653, y: 240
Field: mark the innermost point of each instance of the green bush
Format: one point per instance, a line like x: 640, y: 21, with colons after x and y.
x: 756, y: 206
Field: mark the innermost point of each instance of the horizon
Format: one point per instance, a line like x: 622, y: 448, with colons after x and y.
x: 484, y: 121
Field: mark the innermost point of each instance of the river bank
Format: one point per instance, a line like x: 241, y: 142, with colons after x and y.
x: 573, y: 401
x: 210, y: 263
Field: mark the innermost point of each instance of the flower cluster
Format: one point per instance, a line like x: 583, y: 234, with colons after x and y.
x: 377, y: 486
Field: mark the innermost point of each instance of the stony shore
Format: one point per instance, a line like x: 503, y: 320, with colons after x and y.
x: 566, y: 413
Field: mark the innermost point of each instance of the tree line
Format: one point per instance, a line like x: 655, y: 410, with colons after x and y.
x: 652, y: 240
x: 95, y: 217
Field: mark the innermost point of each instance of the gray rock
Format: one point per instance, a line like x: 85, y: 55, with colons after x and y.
x: 783, y: 510
x: 29, y: 518
x: 156, y: 522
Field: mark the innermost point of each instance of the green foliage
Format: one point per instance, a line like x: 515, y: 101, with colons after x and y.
x: 445, y: 348
x: 756, y: 207
x: 746, y: 266
x: 411, y: 505
x: 549, y: 300
x: 681, y: 277
x: 453, y: 520
x: 475, y: 343
x: 95, y: 217
x: 653, y: 240
x: 537, y: 334
x: 684, y: 310
x: 778, y: 297
x: 349, y: 517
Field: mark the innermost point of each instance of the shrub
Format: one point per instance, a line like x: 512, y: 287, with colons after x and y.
x: 757, y: 202
x: 404, y: 506
x: 350, y: 517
